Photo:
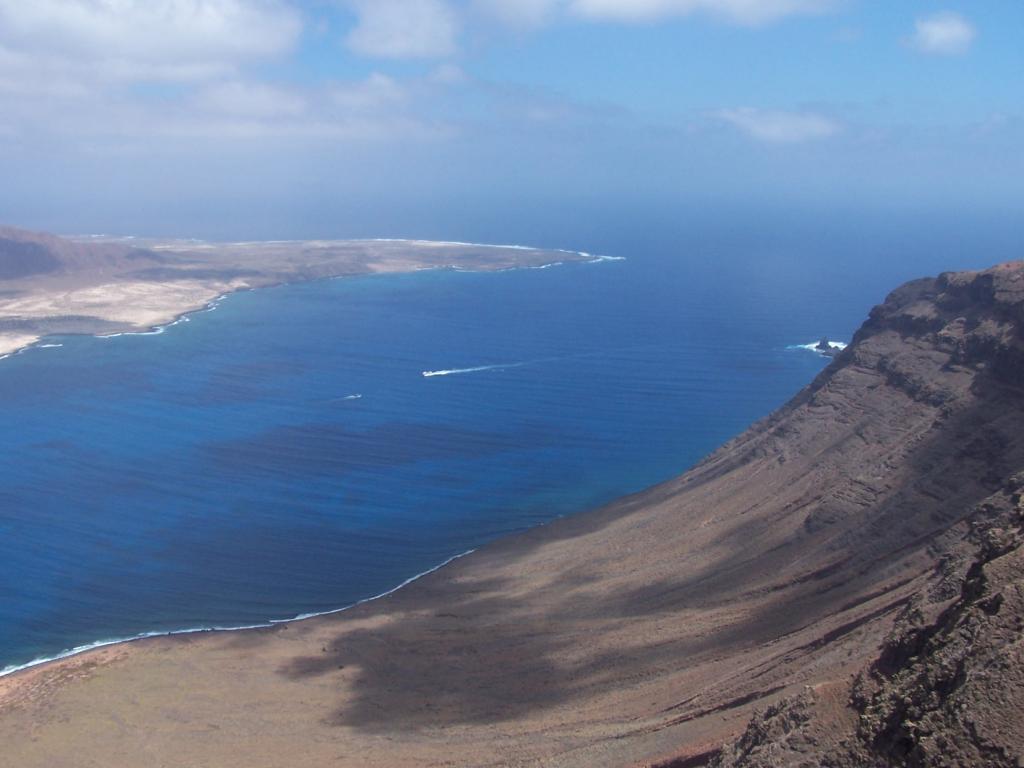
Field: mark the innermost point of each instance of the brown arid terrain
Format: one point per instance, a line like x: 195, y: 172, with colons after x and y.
x: 99, y: 285
x: 839, y: 585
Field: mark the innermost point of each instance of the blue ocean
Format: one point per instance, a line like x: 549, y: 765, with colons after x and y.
x: 284, y: 453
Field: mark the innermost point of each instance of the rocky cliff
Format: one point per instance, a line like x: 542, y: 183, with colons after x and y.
x: 946, y: 687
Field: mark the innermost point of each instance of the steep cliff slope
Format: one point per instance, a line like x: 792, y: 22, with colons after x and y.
x: 947, y: 686
x: 832, y: 568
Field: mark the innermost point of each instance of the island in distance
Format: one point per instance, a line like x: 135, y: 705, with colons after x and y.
x: 103, y: 285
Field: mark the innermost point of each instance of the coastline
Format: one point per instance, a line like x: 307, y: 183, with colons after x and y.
x: 148, y: 307
x: 17, y: 345
x: 577, y: 522
x: 507, y: 544
x: 82, y: 650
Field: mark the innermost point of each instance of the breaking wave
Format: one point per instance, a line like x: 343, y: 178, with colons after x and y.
x: 813, y: 346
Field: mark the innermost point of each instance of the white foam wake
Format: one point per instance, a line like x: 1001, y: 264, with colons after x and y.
x: 813, y: 346
x: 78, y: 649
x: 474, y: 369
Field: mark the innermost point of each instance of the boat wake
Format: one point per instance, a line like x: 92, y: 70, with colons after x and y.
x: 474, y: 369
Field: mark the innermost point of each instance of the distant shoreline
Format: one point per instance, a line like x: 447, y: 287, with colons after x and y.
x: 184, y: 277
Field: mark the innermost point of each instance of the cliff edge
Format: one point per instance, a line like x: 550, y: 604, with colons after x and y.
x: 947, y: 684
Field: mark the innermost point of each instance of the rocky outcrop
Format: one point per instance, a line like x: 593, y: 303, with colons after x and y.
x: 950, y: 691
x: 826, y: 348
x: 947, y: 687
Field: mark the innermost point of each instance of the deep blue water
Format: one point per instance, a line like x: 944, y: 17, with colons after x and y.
x: 221, y: 474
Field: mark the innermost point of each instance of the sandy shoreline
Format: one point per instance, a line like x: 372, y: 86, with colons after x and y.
x: 100, y: 645
x: 10, y: 343
x: 128, y: 307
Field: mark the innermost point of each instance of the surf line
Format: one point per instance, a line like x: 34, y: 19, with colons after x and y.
x: 156, y: 330
x: 814, y: 346
x: 80, y: 649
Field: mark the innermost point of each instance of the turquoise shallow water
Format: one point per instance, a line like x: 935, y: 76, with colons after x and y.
x: 284, y: 454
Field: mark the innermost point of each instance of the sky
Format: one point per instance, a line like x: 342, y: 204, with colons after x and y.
x: 263, y: 118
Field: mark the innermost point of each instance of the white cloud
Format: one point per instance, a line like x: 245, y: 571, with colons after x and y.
x: 148, y: 39
x: 182, y: 59
x: 747, y: 12
x: 375, y: 109
x: 403, y: 29
x: 410, y: 29
x: 946, y: 34
x: 779, y: 127
x: 525, y: 14
x: 60, y: 57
